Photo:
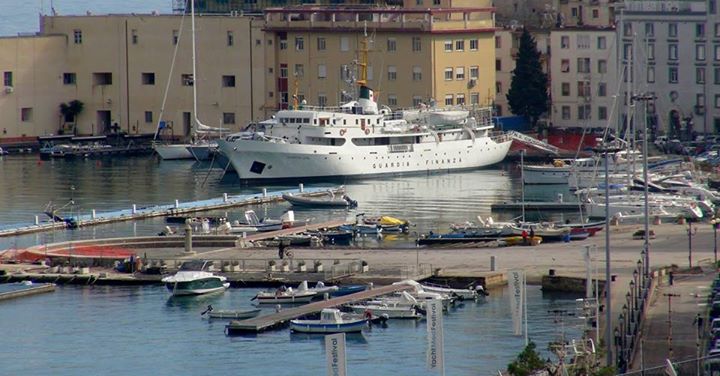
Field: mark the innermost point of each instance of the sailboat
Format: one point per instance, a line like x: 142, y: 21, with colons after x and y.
x: 201, y: 146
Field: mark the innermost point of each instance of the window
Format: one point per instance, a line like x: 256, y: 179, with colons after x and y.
x: 417, y: 74
x: 672, y: 30
x: 436, y: 2
x: 392, y: 44
x: 583, y: 65
x: 228, y: 81
x: 321, y: 44
x: 283, y: 44
x: 283, y: 71
x: 700, y: 75
x: 186, y: 79
x: 565, y: 65
x: 717, y: 30
x: 448, y: 74
x: 8, y: 78
x: 566, y: 112
x: 700, y: 100
x: 392, y: 100
x: 583, y: 42
x: 175, y: 37
x: 299, y: 70
x: 344, y: 44
x: 627, y: 29
x: 717, y: 76
x: 595, y: 13
x: 699, y: 52
x: 583, y: 89
x: 148, y: 78
x: 449, y: 100
x: 602, y: 113
x: 717, y: 100
x: 574, y: 12
x: 134, y: 36
x: 650, y: 75
x: 498, y: 87
x: 673, y: 75
x: 565, y: 91
x: 672, y: 52
x: 602, y: 66
x: 498, y: 65
x: 26, y: 114
x: 69, y: 78
x: 299, y: 43
x: 627, y: 51
x: 392, y: 73
x: 148, y: 116
x: 584, y: 112
x: 416, y: 44
x: 448, y: 46
x: 650, y: 51
x: 322, y: 71
x: 459, y: 45
x: 460, y: 99
x: 228, y: 118
x: 102, y: 78
x: 230, y: 38
x: 602, y: 89
x: 77, y: 36
x: 601, y: 43
x: 498, y: 42
x: 474, y: 73
x: 418, y: 2
x: 700, y: 30
x: 649, y: 29
x: 474, y: 98
x: 564, y: 42
x: 416, y: 100
x: 717, y: 52
x: 460, y: 73
x: 474, y: 44
x: 322, y: 100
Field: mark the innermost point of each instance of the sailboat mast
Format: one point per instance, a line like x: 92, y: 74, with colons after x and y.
x: 194, y: 63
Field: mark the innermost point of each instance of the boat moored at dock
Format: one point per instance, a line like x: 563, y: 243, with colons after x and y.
x: 195, y: 278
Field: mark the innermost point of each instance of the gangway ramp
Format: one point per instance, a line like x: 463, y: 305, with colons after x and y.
x: 534, y: 142
x: 262, y: 323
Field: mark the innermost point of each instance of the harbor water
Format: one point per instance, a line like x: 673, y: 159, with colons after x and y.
x: 141, y: 331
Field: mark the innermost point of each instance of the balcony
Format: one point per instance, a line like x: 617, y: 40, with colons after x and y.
x: 385, y: 19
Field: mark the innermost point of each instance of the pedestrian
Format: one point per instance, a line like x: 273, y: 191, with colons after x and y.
x: 525, y: 237
x: 670, y: 278
x: 281, y: 250
x: 532, y: 234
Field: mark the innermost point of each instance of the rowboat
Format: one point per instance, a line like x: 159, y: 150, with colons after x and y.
x: 331, y: 321
x: 325, y: 201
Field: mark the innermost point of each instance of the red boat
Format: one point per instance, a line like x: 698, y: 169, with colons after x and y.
x: 580, y: 228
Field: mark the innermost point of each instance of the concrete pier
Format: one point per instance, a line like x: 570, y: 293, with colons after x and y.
x: 28, y: 290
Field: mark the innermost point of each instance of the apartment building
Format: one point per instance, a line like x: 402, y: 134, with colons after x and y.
x: 122, y: 68
x: 673, y: 51
x: 583, y: 71
x: 579, y: 13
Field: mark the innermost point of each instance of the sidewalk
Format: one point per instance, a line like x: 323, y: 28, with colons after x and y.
x: 684, y: 308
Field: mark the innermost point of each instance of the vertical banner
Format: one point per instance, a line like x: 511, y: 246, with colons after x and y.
x: 435, y: 361
x: 335, y: 354
x: 516, y: 280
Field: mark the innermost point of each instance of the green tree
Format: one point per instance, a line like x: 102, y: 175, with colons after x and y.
x: 528, y: 95
x: 70, y: 111
x: 526, y: 362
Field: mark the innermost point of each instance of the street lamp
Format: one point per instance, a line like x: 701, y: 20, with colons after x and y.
x: 715, y: 222
x: 690, y: 234
x: 633, y: 303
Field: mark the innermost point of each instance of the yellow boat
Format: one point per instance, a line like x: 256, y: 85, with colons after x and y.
x: 518, y: 240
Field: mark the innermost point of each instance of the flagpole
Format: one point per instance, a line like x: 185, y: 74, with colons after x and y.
x: 527, y: 342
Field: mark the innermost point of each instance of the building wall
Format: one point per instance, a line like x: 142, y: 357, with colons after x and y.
x: 36, y: 66
x: 575, y: 50
x: 596, y: 13
x: 694, y: 97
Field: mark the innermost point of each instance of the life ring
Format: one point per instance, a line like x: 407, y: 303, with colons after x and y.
x: 343, y: 131
x: 367, y: 131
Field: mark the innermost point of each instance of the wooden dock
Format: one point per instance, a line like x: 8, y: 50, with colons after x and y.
x: 178, y: 208
x: 28, y: 291
x: 263, y: 323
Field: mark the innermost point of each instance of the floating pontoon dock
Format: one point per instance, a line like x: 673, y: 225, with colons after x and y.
x: 262, y: 323
x: 536, y: 205
x: 178, y: 208
x: 23, y: 290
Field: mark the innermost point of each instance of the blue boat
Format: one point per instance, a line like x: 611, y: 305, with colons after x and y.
x: 347, y: 290
x: 331, y: 321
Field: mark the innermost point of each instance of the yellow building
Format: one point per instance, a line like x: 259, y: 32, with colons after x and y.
x: 119, y: 66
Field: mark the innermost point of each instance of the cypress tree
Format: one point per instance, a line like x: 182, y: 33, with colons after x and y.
x: 528, y: 95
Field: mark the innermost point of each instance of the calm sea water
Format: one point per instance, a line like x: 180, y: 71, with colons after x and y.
x: 141, y: 331
x: 430, y: 202
x: 21, y: 16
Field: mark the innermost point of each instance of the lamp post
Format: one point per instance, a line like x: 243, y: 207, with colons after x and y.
x: 633, y: 301
x: 715, y: 222
x: 689, y: 233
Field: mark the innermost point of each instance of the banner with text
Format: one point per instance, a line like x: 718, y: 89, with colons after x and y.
x: 516, y: 279
x: 335, y: 354
x: 435, y: 361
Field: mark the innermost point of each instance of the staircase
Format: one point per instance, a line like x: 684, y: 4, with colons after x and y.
x: 530, y: 141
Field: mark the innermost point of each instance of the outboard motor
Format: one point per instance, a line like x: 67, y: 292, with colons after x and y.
x: 351, y: 203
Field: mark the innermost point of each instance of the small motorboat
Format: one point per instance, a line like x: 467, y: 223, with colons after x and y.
x: 361, y: 229
x: 298, y: 240
x: 387, y: 223
x: 389, y: 311
x: 347, y: 290
x: 284, y: 296
x: 195, y: 220
x: 3, y: 152
x: 324, y: 201
x: 519, y: 240
x: 591, y: 228
x: 460, y: 294
x: 331, y: 321
x: 454, y: 238
x: 547, y: 231
x: 579, y: 234
x: 253, y: 223
x: 334, y: 237
x: 231, y: 314
x: 195, y: 278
